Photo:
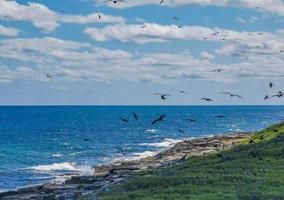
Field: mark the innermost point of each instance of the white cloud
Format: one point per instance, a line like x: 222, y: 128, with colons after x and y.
x: 8, y: 31
x: 46, y: 19
x: 273, y: 6
x: 249, y: 20
x: 71, y: 61
x: 162, y: 33
x: 206, y: 55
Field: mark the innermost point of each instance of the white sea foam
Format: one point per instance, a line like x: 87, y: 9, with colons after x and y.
x: 151, y: 131
x: 165, y: 143
x: 83, y: 170
x: 57, y: 155
x: 65, y: 166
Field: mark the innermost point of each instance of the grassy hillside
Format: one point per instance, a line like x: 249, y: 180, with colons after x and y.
x: 254, y: 170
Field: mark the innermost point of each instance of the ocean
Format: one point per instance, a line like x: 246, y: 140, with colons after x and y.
x: 43, y: 143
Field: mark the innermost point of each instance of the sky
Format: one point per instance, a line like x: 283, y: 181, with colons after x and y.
x: 106, y: 53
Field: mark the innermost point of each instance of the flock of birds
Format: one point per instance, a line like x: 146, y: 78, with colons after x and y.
x: 232, y: 95
x: 164, y: 96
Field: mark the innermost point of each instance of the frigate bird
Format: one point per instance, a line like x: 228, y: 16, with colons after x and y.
x: 161, y: 118
x: 232, y: 95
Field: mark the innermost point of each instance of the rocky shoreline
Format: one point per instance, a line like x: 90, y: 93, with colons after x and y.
x: 80, y: 187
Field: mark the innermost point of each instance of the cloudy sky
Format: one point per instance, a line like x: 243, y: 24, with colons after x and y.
x: 105, y: 53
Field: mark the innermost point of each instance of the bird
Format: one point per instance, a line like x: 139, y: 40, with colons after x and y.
x: 123, y: 119
x: 207, y: 99
x: 182, y: 91
x: 217, y: 70
x: 135, y: 116
x: 266, y: 97
x: 48, y: 76
x: 192, y: 120
x: 220, y: 116
x: 271, y: 85
x: 232, y: 95
x: 216, y: 33
x: 162, y: 1
x: 280, y: 94
x: 176, y: 18
x: 161, y: 118
x: 99, y: 16
x: 163, y: 96
x: 181, y: 131
x: 87, y: 139
x: 281, y: 51
x: 115, y: 1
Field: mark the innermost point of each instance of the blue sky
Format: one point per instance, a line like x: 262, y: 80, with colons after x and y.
x: 136, y: 49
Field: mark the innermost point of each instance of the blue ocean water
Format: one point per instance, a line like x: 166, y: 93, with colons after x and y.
x: 38, y: 144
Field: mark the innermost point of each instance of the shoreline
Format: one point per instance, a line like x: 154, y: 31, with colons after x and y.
x: 106, y: 175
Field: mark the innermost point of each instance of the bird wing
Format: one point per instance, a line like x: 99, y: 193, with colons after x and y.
x: 228, y: 93
x: 155, y: 121
x: 238, y: 96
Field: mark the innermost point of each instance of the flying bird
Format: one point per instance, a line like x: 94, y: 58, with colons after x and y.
x: 217, y: 70
x: 182, y: 91
x: 176, y: 18
x: 266, y: 97
x: 115, y: 1
x: 123, y: 119
x: 192, y: 120
x: 48, y: 76
x: 280, y: 94
x: 232, y: 95
x: 207, y: 99
x: 163, y: 96
x: 135, y: 116
x: 161, y: 118
x: 181, y: 131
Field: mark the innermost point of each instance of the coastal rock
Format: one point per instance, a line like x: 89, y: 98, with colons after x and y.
x: 87, y: 187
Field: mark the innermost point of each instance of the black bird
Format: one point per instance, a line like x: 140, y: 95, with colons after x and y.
x: 163, y: 96
x: 48, y: 76
x: 115, y: 1
x: 181, y: 131
x: 192, y: 120
x: 87, y: 139
x: 280, y: 94
x: 220, y: 116
x: 182, y: 91
x: 99, y: 16
x: 161, y: 118
x: 232, y: 95
x: 271, y: 85
x: 123, y: 119
x: 207, y: 99
x: 214, y: 34
x: 135, y: 116
x: 217, y: 70
x: 266, y: 97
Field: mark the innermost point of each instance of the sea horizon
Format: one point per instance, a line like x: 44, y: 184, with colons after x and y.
x: 42, y: 143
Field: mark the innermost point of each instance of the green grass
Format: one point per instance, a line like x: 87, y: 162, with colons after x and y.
x: 253, y: 170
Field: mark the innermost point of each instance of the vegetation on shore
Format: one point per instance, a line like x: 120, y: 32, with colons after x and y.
x: 253, y: 170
